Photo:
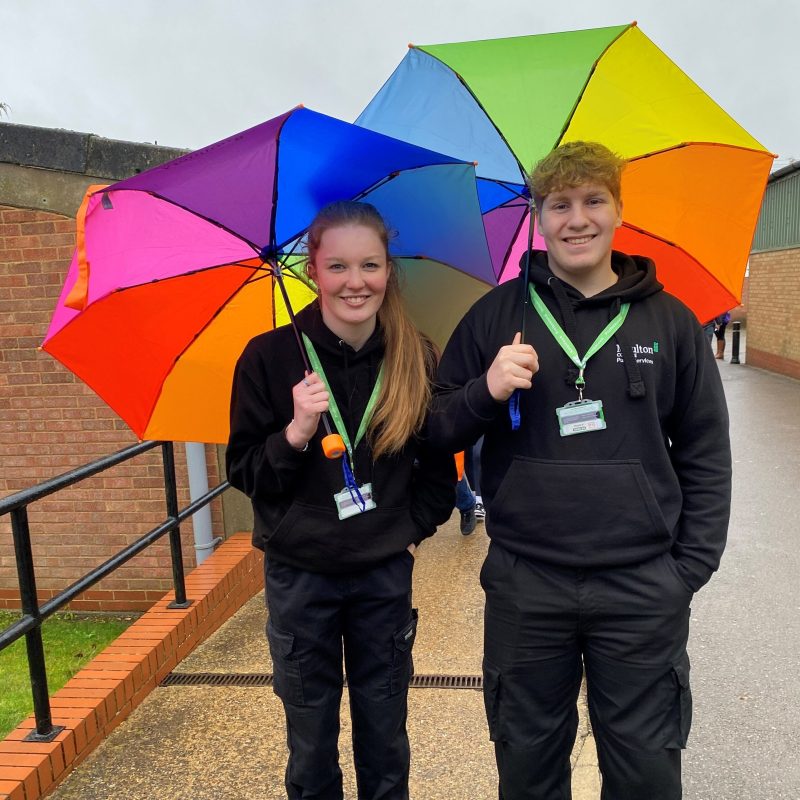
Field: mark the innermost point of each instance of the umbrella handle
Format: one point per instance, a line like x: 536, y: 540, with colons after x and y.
x: 333, y: 446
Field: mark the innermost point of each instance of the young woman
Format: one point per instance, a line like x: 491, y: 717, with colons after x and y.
x: 339, y: 534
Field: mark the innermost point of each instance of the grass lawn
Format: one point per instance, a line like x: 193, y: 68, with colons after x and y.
x: 69, y: 642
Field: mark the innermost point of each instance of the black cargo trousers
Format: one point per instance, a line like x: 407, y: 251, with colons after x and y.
x: 313, y: 619
x: 627, y: 627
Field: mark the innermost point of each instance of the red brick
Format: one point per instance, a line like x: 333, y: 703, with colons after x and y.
x: 38, y: 763
x: 12, y: 790
x: 25, y: 775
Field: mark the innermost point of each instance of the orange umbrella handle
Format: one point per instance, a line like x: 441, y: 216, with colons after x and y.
x: 333, y: 446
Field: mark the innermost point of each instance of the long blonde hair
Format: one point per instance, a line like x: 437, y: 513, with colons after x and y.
x: 409, y: 357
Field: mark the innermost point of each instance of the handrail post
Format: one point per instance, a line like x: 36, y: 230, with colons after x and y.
x: 45, y: 730
x: 170, y: 487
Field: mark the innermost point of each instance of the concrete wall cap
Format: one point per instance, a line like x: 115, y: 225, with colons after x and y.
x: 82, y: 153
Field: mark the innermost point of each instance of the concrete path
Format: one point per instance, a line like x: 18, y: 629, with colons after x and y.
x: 745, y: 638
x: 207, y: 743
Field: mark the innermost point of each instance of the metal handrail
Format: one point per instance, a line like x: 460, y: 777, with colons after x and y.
x: 33, y: 615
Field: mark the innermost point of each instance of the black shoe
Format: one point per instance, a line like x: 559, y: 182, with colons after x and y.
x: 468, y: 522
x: 480, y: 512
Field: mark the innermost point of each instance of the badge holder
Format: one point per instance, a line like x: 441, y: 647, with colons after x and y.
x: 581, y: 416
x: 347, y: 502
x: 353, y: 499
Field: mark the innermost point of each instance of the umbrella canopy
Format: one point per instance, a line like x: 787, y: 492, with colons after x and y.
x: 168, y: 282
x: 695, y: 178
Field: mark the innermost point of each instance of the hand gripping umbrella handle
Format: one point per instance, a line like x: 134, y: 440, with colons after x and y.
x: 332, y: 443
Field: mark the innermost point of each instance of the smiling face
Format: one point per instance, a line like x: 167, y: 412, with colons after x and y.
x: 351, y: 269
x: 578, y: 225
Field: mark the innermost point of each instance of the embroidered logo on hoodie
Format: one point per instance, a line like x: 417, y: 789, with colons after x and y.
x: 643, y: 353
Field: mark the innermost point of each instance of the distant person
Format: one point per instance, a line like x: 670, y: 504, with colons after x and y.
x: 709, y: 329
x: 720, y: 324
x: 607, y: 508
x: 473, y: 469
x: 465, y: 503
x: 339, y: 534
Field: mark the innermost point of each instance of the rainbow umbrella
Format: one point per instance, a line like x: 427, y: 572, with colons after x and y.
x: 695, y: 178
x: 175, y: 268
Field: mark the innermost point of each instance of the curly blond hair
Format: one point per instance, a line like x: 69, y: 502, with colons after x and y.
x: 574, y: 164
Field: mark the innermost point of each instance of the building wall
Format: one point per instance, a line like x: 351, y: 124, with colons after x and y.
x: 50, y: 422
x: 773, y: 308
x: 773, y: 311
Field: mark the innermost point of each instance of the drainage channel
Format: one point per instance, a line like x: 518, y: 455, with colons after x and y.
x: 257, y: 679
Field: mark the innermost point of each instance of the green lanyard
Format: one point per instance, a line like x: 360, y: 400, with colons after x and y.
x: 334, y: 408
x: 566, y: 344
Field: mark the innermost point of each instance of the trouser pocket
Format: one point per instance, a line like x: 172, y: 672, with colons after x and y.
x: 683, y: 704
x: 402, y: 661
x: 491, y: 700
x: 287, y: 677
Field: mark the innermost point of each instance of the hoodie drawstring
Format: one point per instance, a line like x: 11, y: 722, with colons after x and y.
x: 636, y: 386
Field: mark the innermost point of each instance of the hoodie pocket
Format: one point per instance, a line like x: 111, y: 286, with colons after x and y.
x: 315, y: 538
x: 579, y: 512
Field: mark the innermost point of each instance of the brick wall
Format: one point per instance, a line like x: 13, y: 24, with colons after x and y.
x: 50, y: 422
x: 773, y: 311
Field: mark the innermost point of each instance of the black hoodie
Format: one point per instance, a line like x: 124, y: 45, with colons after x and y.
x: 292, y: 491
x: 656, y: 480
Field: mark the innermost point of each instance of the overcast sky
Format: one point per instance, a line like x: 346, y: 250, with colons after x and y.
x: 185, y: 73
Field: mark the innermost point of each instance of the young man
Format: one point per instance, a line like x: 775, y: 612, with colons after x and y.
x: 607, y: 507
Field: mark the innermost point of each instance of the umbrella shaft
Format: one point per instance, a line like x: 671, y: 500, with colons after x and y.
x: 526, y: 275
x: 279, y: 277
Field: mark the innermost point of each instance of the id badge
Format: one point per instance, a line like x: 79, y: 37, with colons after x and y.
x: 348, y: 506
x: 581, y: 416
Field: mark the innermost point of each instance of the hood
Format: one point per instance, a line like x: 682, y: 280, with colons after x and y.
x: 636, y: 279
x: 350, y: 373
x: 310, y: 322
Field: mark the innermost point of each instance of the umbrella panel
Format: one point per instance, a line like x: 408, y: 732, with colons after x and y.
x: 705, y: 199
x: 639, y: 101
x: 195, y: 397
x: 437, y: 296
x: 527, y: 85
x: 124, y: 345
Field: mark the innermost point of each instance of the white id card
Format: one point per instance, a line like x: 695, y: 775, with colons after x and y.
x: 347, y: 504
x: 581, y: 416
